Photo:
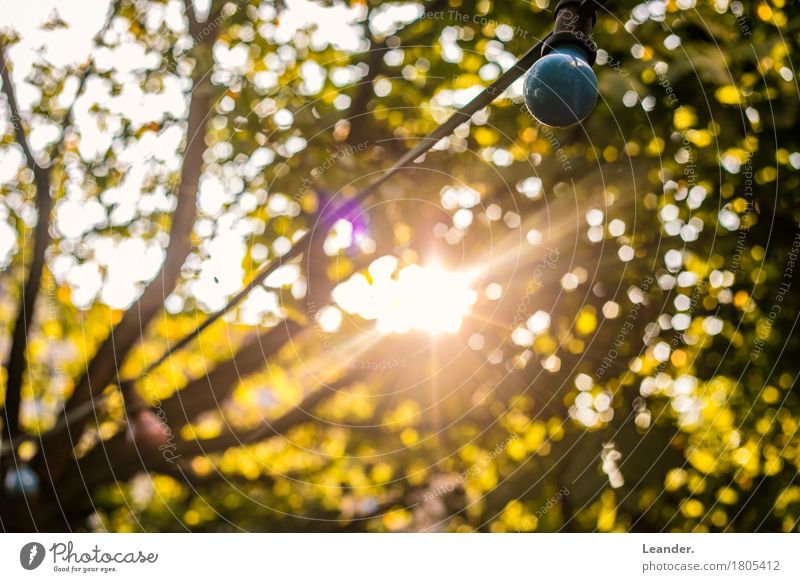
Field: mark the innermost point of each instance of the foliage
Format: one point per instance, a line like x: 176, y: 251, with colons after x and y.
x: 626, y: 366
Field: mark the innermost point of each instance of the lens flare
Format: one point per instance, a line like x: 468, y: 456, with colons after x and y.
x: 418, y: 298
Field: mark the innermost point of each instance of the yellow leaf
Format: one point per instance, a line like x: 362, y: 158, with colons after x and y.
x: 702, y: 460
x: 684, y: 118
x: 586, y: 321
x: 728, y: 95
x: 692, y: 508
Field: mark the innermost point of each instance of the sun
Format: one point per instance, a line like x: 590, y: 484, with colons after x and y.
x: 413, y: 298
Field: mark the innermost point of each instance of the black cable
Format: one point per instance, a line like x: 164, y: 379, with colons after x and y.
x: 300, y: 246
x: 483, y: 99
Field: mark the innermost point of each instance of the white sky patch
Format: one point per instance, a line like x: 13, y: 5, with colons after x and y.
x: 423, y: 298
x: 330, y: 319
x: 60, y: 47
x: 11, y: 162
x: 8, y: 243
x: 85, y: 282
x: 335, y: 25
x: 258, y: 304
x: 74, y: 218
x: 116, y: 274
x: 283, y: 276
x: 221, y: 274
x: 313, y: 77
x: 389, y: 17
x: 115, y: 270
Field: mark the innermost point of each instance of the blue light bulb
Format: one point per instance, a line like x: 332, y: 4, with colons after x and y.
x: 561, y: 88
x: 21, y: 482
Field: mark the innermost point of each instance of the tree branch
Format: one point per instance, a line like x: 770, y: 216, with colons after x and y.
x: 118, y: 459
x: 103, y: 368
x: 296, y: 416
x: 364, y: 92
x: 191, y: 16
x: 82, y: 78
x: 16, y: 363
x: 209, y: 391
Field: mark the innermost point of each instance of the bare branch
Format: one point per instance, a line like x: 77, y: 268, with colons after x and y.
x: 374, y: 61
x: 103, y: 368
x: 16, y: 362
x: 209, y: 391
x: 82, y: 78
x: 191, y: 16
x: 16, y: 118
x: 296, y: 416
x: 118, y: 459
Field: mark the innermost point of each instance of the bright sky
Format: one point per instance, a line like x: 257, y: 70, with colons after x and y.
x: 424, y: 298
x: 115, y: 269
